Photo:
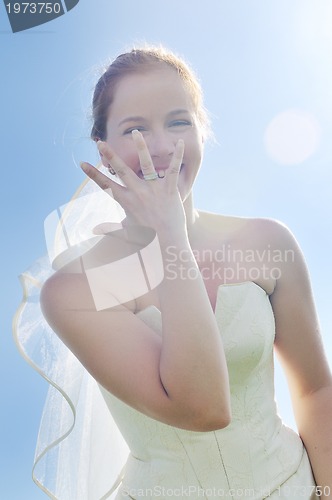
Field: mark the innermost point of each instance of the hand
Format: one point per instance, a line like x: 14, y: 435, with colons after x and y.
x: 154, y: 203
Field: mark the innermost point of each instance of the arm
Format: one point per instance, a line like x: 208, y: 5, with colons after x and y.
x: 180, y: 379
x: 192, y: 362
x: 300, y: 349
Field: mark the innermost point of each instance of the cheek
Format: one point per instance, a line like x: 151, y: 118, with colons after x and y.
x: 194, y: 152
x: 194, y: 142
x: 126, y: 150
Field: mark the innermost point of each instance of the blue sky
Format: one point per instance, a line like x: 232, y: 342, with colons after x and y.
x: 256, y: 59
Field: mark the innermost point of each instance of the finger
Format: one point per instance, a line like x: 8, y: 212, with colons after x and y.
x: 145, y: 159
x: 172, y: 173
x: 104, y: 182
x: 122, y: 170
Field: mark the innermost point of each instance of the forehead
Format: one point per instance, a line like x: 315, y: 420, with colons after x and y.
x: 155, y: 89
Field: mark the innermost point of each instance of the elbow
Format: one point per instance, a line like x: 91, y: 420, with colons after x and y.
x: 212, y: 421
x: 211, y: 413
x: 215, y: 424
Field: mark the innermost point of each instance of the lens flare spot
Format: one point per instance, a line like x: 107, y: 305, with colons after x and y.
x: 292, y: 136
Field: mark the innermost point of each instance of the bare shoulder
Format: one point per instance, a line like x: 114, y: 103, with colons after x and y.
x: 254, y: 249
x: 272, y: 229
x: 262, y: 229
x: 66, y: 292
x: 273, y: 239
x: 86, y: 282
x: 61, y: 293
x: 64, y: 288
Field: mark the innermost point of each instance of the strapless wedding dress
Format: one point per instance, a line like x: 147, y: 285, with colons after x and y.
x: 255, y: 457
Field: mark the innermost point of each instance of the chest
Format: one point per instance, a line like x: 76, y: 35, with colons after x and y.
x: 234, y: 262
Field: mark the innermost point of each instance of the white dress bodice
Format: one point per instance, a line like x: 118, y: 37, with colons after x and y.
x: 256, y: 452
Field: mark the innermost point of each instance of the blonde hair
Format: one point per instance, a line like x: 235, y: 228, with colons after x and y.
x: 141, y: 60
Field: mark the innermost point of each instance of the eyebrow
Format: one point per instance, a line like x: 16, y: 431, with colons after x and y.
x: 142, y: 119
x: 131, y: 119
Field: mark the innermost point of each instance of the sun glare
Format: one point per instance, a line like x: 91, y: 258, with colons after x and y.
x: 292, y: 136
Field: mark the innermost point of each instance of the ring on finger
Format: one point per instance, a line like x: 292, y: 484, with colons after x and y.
x: 150, y: 177
x: 111, y: 170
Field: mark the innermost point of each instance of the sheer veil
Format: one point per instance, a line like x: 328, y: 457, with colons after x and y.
x: 80, y: 452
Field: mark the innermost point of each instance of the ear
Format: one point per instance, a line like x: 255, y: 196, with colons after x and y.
x: 96, y: 139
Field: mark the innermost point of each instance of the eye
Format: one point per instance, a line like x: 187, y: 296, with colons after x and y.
x: 129, y: 130
x: 180, y: 123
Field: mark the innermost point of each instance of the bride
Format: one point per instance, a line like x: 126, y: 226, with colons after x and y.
x: 178, y: 342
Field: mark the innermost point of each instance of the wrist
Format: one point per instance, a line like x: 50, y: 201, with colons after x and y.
x: 172, y: 235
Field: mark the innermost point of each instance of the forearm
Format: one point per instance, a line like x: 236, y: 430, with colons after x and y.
x: 314, y: 417
x: 193, y: 369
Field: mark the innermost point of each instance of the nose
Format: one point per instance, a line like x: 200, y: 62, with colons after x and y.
x: 161, y: 146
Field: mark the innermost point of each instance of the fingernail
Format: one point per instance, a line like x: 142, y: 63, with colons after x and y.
x: 136, y: 132
x: 100, y: 144
x: 83, y: 165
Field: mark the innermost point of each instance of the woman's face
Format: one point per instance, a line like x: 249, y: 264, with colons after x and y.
x: 157, y: 104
